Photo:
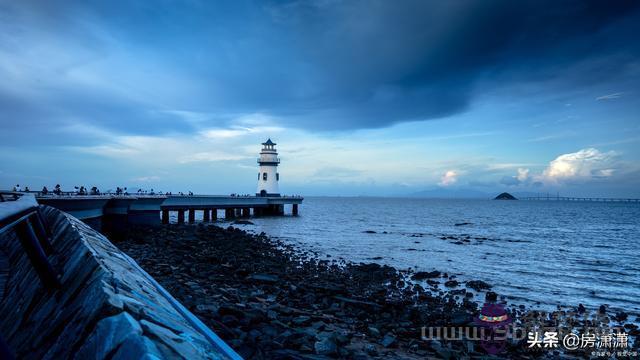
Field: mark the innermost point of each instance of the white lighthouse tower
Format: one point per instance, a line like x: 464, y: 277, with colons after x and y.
x: 268, y: 176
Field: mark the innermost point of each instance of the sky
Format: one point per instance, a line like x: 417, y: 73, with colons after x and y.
x: 373, y: 98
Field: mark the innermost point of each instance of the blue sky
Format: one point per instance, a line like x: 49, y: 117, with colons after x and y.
x: 362, y: 97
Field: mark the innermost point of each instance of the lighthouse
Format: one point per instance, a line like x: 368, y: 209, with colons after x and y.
x: 268, y: 176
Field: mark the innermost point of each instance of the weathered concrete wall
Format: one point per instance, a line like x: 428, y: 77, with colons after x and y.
x: 107, y: 307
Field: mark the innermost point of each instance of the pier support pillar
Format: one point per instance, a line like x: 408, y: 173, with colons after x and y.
x: 294, y: 210
x: 229, y: 213
x: 180, y: 216
x: 165, y: 216
x: 246, y: 212
x: 205, y: 215
x: 214, y: 214
x: 192, y: 216
x: 256, y: 212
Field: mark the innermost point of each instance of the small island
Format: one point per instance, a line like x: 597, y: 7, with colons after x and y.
x: 505, y: 196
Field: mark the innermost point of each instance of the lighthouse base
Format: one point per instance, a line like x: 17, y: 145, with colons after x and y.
x: 266, y: 194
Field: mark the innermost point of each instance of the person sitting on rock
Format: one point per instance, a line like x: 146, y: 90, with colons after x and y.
x: 45, y: 191
x: 57, y: 190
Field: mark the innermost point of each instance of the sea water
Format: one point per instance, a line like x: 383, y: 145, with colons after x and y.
x: 546, y: 252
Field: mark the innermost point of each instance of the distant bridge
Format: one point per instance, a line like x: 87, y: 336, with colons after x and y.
x: 572, y: 198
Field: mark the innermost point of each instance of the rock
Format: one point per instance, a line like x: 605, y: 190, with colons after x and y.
x: 369, y: 232
x: 505, y: 196
x: 370, y: 349
x: 171, y: 340
x: 301, y: 320
x: 421, y: 275
x: 460, y: 318
x: 463, y: 223
x: 491, y: 297
x: 451, y: 283
x: 282, y: 339
x: 109, y: 335
x: 230, y: 320
x: 621, y: 316
x: 272, y: 315
x: 228, y: 310
x: 389, y: 340
x: 373, y: 331
x: 263, y: 278
x: 208, y: 307
x: 138, y: 347
x: 326, y: 346
x: 478, y: 285
x: 243, y: 222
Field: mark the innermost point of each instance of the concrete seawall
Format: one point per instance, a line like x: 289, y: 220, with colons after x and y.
x: 106, y: 306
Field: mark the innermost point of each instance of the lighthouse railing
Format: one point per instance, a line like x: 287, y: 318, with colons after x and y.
x: 269, y: 161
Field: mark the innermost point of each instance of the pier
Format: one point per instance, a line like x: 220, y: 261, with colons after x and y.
x: 115, y: 212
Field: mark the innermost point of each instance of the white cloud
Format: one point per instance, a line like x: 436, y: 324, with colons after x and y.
x: 233, y: 132
x: 502, y: 166
x: 523, y: 174
x: 223, y: 133
x: 146, y: 179
x: 609, y: 96
x: 211, y: 156
x: 581, y: 165
x: 449, y: 178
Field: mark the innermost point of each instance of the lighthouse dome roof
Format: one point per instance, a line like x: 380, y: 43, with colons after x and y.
x: 268, y: 142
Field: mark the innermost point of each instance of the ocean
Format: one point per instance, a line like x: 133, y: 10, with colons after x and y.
x: 540, y: 253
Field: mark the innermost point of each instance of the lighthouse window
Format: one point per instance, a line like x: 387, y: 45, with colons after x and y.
x: 264, y: 176
x: 277, y: 176
x: 258, y: 176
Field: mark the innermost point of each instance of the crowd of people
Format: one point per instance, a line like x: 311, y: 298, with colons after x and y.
x: 81, y: 190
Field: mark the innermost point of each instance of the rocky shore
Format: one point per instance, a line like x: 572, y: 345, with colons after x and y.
x: 269, y: 300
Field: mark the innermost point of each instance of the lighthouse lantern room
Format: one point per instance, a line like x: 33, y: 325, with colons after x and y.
x: 268, y: 176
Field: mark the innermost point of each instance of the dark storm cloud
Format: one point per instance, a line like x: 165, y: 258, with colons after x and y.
x: 324, y: 65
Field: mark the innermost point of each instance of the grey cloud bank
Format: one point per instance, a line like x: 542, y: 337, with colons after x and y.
x: 323, y: 65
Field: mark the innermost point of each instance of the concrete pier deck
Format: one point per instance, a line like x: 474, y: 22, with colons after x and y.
x: 116, y: 211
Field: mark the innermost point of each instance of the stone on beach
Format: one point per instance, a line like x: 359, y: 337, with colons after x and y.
x: 422, y: 275
x: 478, y: 285
x: 268, y: 299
